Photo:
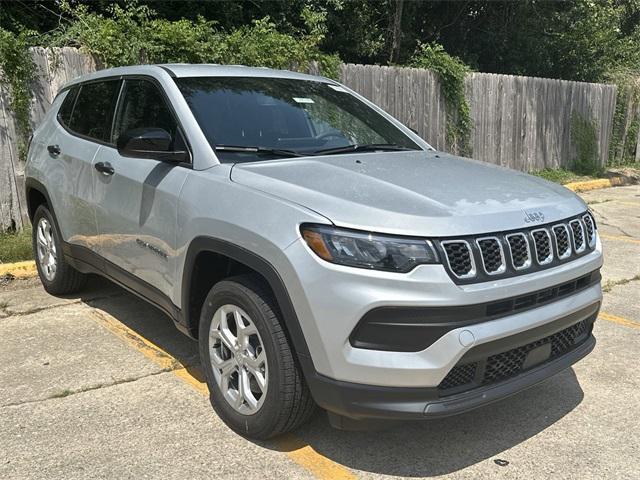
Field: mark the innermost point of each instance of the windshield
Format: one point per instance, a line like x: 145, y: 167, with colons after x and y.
x: 254, y: 118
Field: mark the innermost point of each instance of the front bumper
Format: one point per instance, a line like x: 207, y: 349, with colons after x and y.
x: 366, y: 402
x: 330, y: 300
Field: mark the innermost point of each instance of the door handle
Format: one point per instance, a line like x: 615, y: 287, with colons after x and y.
x: 54, y: 150
x: 105, y: 168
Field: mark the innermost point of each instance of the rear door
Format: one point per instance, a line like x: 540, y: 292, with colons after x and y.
x: 136, y: 205
x: 84, y: 126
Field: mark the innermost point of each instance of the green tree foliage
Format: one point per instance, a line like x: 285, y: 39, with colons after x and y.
x: 17, y: 72
x: 585, y: 40
x: 585, y: 140
x: 452, y: 72
x: 134, y: 34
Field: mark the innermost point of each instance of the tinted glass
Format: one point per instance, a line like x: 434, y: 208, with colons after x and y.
x: 93, y: 112
x: 64, y: 114
x: 143, y: 106
x: 275, y: 113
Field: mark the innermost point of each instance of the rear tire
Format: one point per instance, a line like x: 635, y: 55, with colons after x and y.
x: 56, y: 275
x: 262, y: 355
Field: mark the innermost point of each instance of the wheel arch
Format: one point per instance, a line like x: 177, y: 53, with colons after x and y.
x: 37, y: 195
x: 209, y: 245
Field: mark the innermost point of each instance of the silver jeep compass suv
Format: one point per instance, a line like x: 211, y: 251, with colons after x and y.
x: 319, y: 251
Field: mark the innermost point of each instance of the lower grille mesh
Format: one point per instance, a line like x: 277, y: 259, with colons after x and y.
x: 510, y: 363
x: 460, y: 375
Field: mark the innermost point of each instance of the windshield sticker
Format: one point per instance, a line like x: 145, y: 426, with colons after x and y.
x: 337, y: 88
x: 303, y: 100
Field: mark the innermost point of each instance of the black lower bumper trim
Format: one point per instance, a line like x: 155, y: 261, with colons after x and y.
x: 388, y: 403
x: 364, y: 402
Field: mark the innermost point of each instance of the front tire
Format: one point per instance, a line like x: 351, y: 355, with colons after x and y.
x: 56, y: 275
x: 255, y: 383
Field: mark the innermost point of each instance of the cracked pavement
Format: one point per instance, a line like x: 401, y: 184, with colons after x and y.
x: 79, y: 399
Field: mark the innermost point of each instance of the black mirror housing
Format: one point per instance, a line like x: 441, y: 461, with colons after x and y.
x: 154, y: 143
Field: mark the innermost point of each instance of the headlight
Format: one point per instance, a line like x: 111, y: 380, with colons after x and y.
x: 368, y: 250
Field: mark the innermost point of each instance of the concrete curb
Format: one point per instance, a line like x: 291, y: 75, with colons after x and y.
x: 599, y: 183
x: 19, y: 269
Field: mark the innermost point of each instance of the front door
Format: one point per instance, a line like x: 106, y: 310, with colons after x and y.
x: 137, y: 198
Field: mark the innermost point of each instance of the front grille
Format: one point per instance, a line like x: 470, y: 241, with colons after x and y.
x: 459, y: 258
x: 544, y: 254
x: 511, y: 363
x: 591, y: 230
x: 563, y: 247
x: 578, y: 235
x: 517, y: 252
x: 492, y: 256
x: 458, y: 376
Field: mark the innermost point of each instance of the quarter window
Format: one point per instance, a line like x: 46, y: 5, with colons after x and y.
x: 144, y: 106
x: 66, y: 109
x: 93, y: 112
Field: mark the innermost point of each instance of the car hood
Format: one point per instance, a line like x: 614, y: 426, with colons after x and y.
x: 412, y: 193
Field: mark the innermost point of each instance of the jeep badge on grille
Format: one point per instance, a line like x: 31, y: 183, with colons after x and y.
x: 533, y: 217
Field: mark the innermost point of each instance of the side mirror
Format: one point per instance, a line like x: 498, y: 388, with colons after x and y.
x: 152, y: 143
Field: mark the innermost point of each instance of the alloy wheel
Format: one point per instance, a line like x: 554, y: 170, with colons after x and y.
x: 238, y: 359
x: 46, y: 249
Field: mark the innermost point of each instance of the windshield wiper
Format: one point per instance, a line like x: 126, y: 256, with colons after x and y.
x: 259, y: 150
x: 369, y: 147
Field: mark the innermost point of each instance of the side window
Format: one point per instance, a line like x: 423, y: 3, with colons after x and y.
x: 66, y: 109
x: 143, y: 106
x: 93, y: 112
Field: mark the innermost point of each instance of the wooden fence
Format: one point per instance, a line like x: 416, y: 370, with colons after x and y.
x: 53, y: 71
x: 519, y: 122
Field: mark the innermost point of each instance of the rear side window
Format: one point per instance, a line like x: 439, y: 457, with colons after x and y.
x: 93, y: 111
x: 66, y: 109
x: 144, y: 106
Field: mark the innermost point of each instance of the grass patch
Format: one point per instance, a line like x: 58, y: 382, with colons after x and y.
x: 562, y: 176
x: 15, y: 247
x: 608, y: 286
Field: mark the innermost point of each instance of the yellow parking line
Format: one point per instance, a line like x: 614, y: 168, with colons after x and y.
x: 619, y: 320
x: 296, y: 449
x: 619, y: 238
x: 19, y: 269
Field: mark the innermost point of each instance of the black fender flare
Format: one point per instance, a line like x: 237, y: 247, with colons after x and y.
x: 268, y: 272
x: 33, y: 184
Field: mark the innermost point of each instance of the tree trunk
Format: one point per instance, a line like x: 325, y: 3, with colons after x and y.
x: 396, y: 31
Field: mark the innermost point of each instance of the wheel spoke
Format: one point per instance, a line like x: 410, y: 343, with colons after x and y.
x: 247, y: 394
x: 41, y: 236
x: 258, y: 375
x: 241, y: 388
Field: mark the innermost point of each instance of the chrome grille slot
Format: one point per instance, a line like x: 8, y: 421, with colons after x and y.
x: 519, y: 248
x: 459, y: 258
x: 578, y: 236
x: 591, y: 229
x: 542, y: 242
x: 492, y: 255
x: 563, y: 242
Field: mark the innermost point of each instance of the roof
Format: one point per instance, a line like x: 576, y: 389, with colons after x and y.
x: 197, y: 70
